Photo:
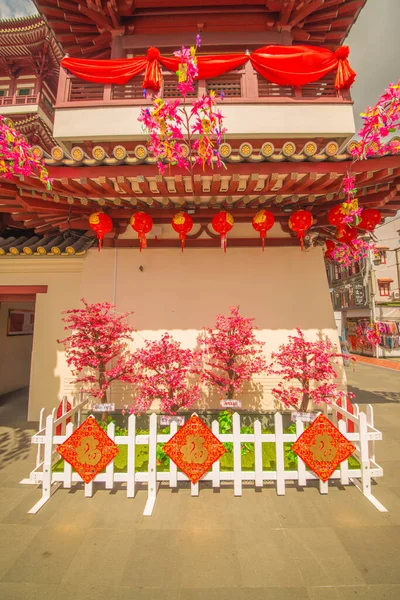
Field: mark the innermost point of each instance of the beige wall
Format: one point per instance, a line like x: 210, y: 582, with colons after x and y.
x: 283, y: 288
x: 256, y: 120
x: 15, y: 351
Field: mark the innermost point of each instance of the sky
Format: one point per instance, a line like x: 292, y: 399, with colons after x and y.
x: 373, y: 40
x: 16, y: 8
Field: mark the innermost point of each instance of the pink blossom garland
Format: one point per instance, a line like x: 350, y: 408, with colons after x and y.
x: 172, y: 126
x: 16, y: 157
x: 347, y: 254
x: 378, y: 122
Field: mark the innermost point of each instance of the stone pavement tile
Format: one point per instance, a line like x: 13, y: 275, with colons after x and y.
x: 13, y: 541
x: 48, y: 556
x: 27, y: 591
x: 101, y: 556
x: 375, y: 552
x: 208, y: 558
x: 171, y: 508
x: 266, y: 559
x: 98, y: 591
x: 19, y: 514
x: 359, y: 592
x: 297, y: 508
x: 144, y: 594
x: 11, y: 497
x: 106, y: 509
x: 268, y: 593
x: 321, y: 558
x: 324, y: 593
x: 154, y: 561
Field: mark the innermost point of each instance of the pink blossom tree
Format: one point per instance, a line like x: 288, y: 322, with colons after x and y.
x: 98, y: 337
x: 310, y: 364
x: 231, y: 353
x: 164, y: 371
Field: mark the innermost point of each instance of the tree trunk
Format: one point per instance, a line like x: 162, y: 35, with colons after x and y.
x: 101, y: 380
x: 306, y: 397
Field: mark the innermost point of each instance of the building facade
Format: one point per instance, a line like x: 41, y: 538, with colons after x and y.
x: 370, y: 290
x: 287, y: 148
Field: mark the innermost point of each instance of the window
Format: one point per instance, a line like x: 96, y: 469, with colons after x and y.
x: 384, y: 288
x: 381, y: 254
x: 3, y: 92
x: 24, y: 91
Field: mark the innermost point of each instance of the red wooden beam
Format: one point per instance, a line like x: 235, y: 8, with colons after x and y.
x: 23, y: 289
x: 201, y: 243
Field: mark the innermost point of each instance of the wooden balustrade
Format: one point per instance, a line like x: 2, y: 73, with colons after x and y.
x: 242, y: 85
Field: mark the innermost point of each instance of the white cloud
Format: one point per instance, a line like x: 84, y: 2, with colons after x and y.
x: 16, y: 8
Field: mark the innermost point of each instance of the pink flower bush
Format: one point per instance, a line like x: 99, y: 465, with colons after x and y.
x: 163, y: 371
x: 16, y: 157
x: 378, y: 122
x: 98, y: 336
x: 310, y: 364
x: 350, y: 207
x: 231, y: 353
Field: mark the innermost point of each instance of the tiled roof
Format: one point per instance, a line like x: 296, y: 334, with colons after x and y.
x: 21, y: 24
x: 290, y: 150
x: 25, y: 243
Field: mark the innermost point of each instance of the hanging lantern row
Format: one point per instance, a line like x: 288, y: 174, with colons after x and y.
x: 182, y: 223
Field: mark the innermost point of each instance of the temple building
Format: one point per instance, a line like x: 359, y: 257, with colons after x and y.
x: 287, y: 148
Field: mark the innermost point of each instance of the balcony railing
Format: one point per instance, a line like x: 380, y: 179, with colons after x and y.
x: 29, y: 100
x: 242, y: 85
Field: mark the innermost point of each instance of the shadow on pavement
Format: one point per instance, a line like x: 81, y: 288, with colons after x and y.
x: 368, y: 397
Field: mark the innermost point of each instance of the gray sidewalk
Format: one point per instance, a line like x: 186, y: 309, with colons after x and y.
x: 302, y: 546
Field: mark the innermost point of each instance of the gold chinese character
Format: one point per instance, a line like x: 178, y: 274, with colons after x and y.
x: 194, y: 451
x: 87, y: 452
x: 323, y: 449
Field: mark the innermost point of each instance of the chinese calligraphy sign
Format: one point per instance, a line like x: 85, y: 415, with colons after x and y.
x: 323, y: 447
x: 194, y: 448
x: 88, y: 449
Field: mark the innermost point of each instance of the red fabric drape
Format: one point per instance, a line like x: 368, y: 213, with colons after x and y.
x: 293, y: 65
x: 106, y: 71
x: 209, y: 66
x: 283, y: 65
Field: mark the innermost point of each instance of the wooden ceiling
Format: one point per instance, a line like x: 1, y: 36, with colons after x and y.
x: 240, y: 188
x: 85, y: 27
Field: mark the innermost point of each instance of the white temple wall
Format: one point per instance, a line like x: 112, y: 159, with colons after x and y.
x: 283, y: 288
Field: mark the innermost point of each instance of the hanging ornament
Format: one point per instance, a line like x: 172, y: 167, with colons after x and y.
x: 299, y: 222
x: 330, y: 246
x: 142, y: 224
x: 370, y: 217
x: 182, y: 223
x: 346, y: 235
x: 222, y: 223
x: 101, y: 224
x: 262, y: 222
x: 336, y: 216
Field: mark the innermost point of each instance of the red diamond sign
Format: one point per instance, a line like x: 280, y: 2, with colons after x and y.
x: 323, y: 447
x: 88, y: 449
x: 194, y: 448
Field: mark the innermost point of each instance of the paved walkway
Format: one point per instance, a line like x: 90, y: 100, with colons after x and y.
x: 385, y: 363
x: 302, y: 546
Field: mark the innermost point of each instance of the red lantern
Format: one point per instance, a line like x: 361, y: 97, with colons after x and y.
x: 346, y: 235
x: 262, y: 222
x: 101, y: 224
x: 222, y: 223
x: 330, y: 246
x: 182, y: 223
x: 299, y: 222
x: 336, y: 216
x: 142, y: 224
x: 370, y: 217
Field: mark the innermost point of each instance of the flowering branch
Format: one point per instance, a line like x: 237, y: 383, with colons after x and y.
x: 16, y: 157
x: 346, y: 254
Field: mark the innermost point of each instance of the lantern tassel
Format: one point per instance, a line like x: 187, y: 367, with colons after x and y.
x: 263, y: 242
x: 301, y: 237
x: 223, y: 242
x: 182, y: 236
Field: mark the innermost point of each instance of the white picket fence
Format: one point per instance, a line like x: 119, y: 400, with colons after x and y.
x: 364, y: 437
